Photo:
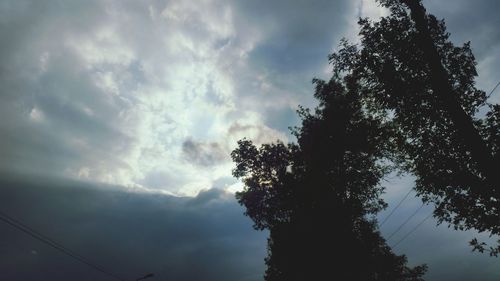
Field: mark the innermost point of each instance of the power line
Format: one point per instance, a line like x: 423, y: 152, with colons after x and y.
x: 37, y: 235
x: 411, y: 231
x: 405, y: 222
x: 488, y: 96
x: 395, y: 208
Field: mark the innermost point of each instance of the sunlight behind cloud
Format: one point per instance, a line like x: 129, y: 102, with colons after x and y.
x: 180, y: 86
x: 154, y: 95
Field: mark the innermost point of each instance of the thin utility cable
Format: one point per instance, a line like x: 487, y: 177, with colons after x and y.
x: 35, y: 232
x: 488, y: 96
x: 395, y: 208
x: 405, y: 222
x: 411, y: 231
x: 37, y: 235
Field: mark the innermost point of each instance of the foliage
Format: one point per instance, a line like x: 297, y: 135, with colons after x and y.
x: 315, y: 197
x: 432, y: 103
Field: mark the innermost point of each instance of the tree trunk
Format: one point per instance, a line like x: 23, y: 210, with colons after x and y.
x: 480, y: 153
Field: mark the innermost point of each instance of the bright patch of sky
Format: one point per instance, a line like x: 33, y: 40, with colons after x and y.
x: 154, y: 94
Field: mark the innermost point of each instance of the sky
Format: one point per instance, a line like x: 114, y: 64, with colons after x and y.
x: 110, y: 98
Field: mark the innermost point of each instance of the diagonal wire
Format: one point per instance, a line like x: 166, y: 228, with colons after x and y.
x: 488, y: 96
x: 395, y: 208
x: 37, y: 235
x: 412, y: 230
x: 405, y: 222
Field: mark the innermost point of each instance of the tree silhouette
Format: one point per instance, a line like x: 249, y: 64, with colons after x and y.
x: 318, y: 197
x: 412, y: 74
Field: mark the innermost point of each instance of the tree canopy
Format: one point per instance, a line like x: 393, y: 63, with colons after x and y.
x: 403, y: 98
x: 316, y: 197
x: 413, y: 75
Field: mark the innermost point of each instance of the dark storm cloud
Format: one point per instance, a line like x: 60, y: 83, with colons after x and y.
x: 180, y: 238
x: 130, y: 234
x: 204, y: 153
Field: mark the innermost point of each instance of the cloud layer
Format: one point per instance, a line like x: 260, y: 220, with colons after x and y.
x: 129, y: 234
x: 116, y: 91
x: 122, y: 91
x: 182, y: 238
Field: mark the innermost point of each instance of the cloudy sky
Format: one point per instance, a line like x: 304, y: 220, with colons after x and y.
x: 124, y: 100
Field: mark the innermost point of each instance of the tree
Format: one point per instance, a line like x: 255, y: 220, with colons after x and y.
x: 318, y: 197
x: 413, y: 76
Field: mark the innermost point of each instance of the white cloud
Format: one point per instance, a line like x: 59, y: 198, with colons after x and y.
x: 111, y: 90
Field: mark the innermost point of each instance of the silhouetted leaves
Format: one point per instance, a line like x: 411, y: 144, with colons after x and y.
x: 316, y: 196
x: 412, y: 76
x: 405, y: 95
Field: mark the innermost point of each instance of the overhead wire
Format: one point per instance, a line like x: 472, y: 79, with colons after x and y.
x: 489, y: 95
x: 405, y: 222
x: 44, y: 239
x: 411, y: 231
x: 395, y: 208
